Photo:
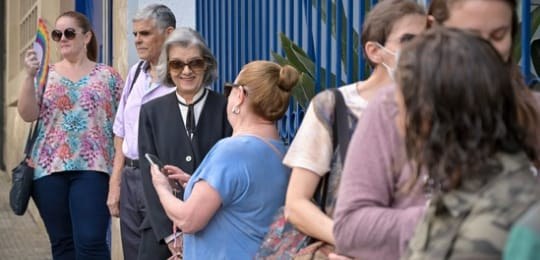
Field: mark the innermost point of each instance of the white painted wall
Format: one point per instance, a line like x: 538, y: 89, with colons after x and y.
x: 184, y: 11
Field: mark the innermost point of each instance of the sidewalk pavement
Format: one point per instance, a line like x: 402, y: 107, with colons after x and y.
x: 21, y: 237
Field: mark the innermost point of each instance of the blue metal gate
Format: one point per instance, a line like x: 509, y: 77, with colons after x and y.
x: 240, y: 31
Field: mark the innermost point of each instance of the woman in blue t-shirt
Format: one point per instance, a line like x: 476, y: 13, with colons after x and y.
x: 230, y: 200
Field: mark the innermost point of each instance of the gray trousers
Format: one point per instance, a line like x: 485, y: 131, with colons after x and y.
x: 137, y: 242
x: 132, y: 211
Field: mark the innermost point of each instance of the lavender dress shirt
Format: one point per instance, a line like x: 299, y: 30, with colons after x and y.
x: 126, y: 123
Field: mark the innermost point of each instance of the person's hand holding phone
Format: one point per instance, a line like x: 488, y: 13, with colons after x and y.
x: 159, y: 179
x: 176, y: 178
x: 176, y: 174
x: 154, y: 160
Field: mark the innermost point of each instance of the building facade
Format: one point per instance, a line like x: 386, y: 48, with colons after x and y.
x: 111, y: 21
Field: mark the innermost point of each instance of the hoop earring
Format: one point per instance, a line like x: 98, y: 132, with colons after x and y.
x: 236, y: 110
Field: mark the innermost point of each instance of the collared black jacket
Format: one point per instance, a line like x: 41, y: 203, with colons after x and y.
x: 162, y: 133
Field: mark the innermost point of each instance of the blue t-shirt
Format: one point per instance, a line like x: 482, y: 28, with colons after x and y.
x: 252, y: 182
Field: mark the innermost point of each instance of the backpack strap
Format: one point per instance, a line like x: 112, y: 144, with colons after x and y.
x: 341, y: 137
x: 137, y: 72
x: 33, y: 132
x: 342, y: 134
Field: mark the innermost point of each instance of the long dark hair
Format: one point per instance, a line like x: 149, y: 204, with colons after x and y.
x: 527, y: 108
x: 84, y: 23
x: 460, y: 103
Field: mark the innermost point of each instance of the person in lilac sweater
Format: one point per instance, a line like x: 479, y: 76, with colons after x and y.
x: 373, y: 217
x: 376, y: 210
x: 388, y: 26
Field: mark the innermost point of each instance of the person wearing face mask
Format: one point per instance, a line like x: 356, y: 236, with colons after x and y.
x: 386, y: 28
x: 181, y: 127
x: 377, y: 210
x: 390, y: 70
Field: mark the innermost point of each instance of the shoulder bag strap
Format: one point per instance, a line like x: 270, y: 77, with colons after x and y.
x: 33, y: 132
x: 137, y: 72
x: 341, y: 124
x: 339, y: 136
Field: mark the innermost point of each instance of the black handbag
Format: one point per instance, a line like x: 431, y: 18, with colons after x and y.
x: 22, y: 176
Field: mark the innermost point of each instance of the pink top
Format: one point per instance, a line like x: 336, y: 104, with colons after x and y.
x: 536, y: 96
x: 76, y: 119
x: 374, y: 219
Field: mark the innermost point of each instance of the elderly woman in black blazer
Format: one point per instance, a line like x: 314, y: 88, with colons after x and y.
x: 181, y: 127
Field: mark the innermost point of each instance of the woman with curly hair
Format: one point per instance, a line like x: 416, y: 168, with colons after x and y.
x: 462, y: 126
x: 376, y: 212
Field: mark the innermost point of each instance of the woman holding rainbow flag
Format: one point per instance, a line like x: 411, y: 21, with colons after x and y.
x: 73, y: 151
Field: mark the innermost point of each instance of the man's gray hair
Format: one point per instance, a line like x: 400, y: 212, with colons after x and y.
x: 186, y: 37
x: 161, y: 14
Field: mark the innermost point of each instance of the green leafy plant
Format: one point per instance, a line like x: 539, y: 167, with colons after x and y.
x: 297, y: 57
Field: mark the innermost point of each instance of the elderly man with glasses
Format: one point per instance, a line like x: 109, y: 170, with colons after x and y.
x: 151, y: 27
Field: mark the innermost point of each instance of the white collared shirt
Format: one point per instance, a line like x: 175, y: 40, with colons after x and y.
x: 197, y: 109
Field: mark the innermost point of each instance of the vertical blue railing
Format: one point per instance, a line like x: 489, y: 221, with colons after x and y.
x: 526, y: 39
x: 349, y: 65
x: 239, y: 31
x: 339, y: 20
x: 361, y: 61
x: 328, y: 43
x: 318, y: 62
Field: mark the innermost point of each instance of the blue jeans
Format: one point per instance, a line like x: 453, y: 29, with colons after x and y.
x: 73, y: 207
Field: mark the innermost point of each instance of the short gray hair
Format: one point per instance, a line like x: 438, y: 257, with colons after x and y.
x: 161, y: 14
x: 186, y: 37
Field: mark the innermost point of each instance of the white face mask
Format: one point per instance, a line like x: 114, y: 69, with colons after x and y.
x: 391, y: 71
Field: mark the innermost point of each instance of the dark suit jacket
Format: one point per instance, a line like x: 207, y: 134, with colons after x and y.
x: 162, y: 132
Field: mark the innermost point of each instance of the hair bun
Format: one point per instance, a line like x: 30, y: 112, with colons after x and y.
x: 288, y: 77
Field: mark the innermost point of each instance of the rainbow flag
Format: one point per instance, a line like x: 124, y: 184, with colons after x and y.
x: 41, y: 46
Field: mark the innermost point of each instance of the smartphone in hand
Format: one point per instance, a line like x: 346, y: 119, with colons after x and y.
x: 154, y: 160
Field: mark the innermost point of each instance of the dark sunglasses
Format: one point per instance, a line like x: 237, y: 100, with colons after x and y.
x: 197, y: 65
x: 227, y: 88
x: 69, y: 33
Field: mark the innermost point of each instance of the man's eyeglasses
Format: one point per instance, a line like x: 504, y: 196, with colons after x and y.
x: 197, y: 65
x: 69, y: 33
x: 227, y: 88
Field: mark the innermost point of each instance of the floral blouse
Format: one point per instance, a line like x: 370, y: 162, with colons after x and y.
x: 76, y: 119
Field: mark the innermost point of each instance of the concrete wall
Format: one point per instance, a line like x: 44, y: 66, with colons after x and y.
x: 15, y: 128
